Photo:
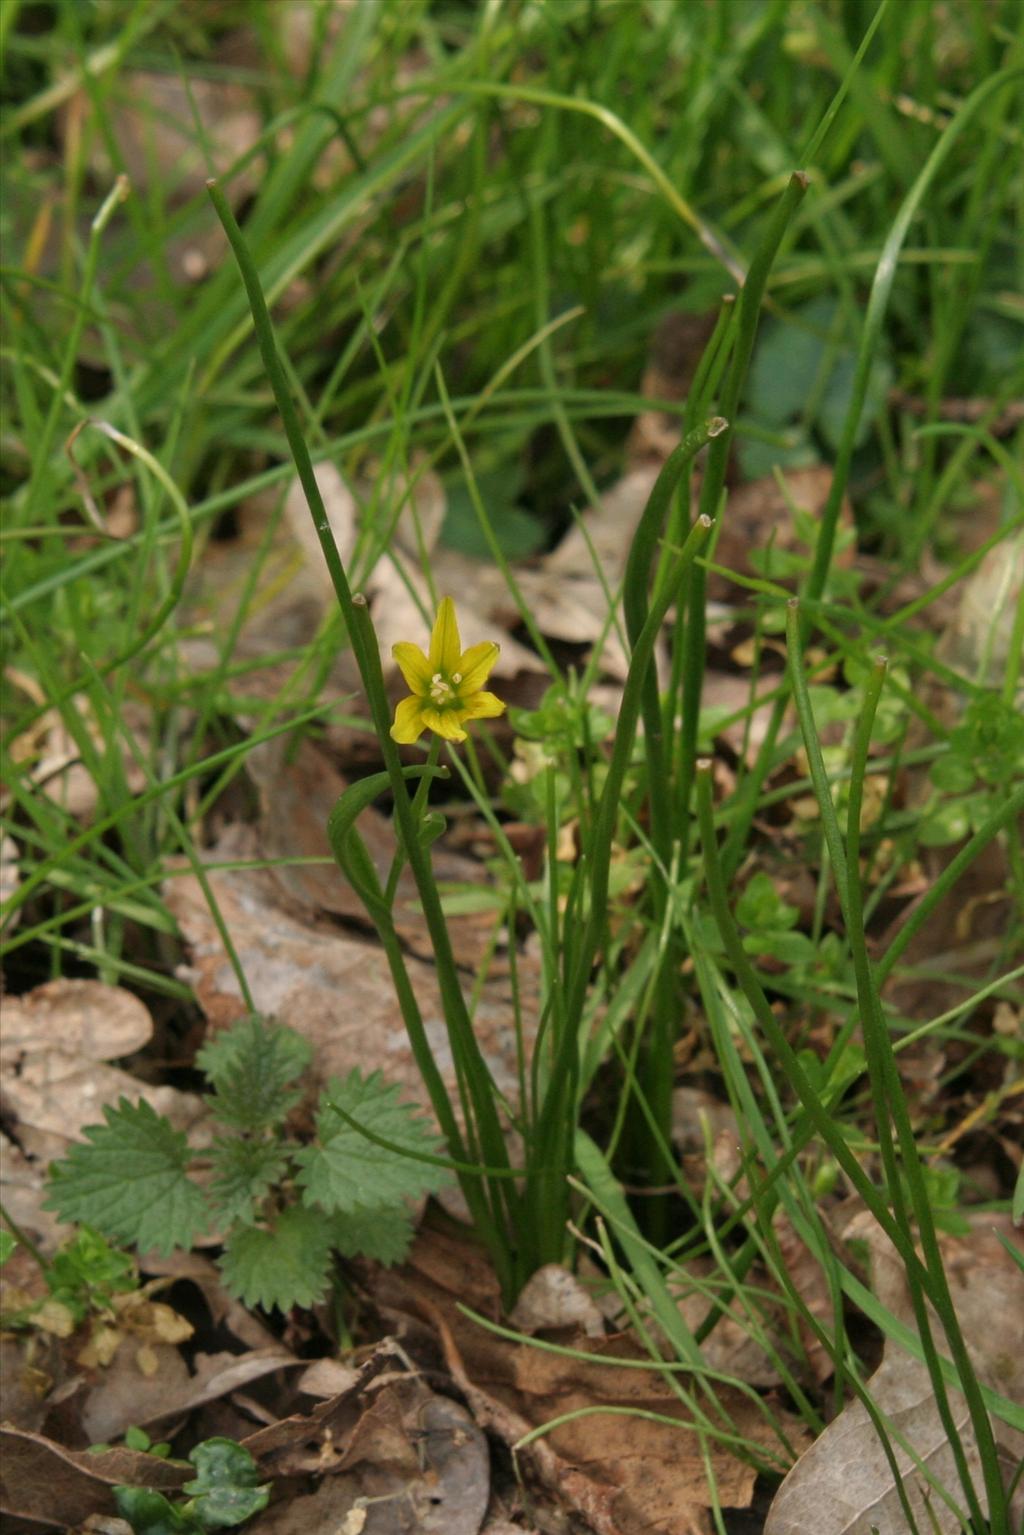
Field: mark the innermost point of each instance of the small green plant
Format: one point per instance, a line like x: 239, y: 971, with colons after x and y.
x: 85, y: 1275
x: 563, y: 736
x: 82, y: 1279
x: 982, y: 765
x: 284, y: 1208
x: 225, y: 1492
x: 137, y: 1439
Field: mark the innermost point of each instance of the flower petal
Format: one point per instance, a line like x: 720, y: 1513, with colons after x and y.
x: 482, y: 706
x: 445, y: 644
x: 475, y: 667
x: 414, y: 666
x: 445, y: 722
x: 409, y: 721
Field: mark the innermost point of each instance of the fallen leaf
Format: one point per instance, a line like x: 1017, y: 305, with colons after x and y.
x: 87, y: 1017
x: 29, y: 1369
x: 402, y: 602
x: 729, y: 1347
x: 334, y: 990
x: 625, y: 1473
x: 23, y: 1190
x: 728, y: 693
x: 45, y: 1482
x: 843, y: 1484
x: 224, y: 1309
x: 298, y: 790
x: 49, y: 1091
x: 977, y: 642
x: 152, y: 119
x: 51, y: 759
x: 410, y: 1460
x: 325, y: 1378
x: 811, y: 1283
x: 123, y: 1395
x: 341, y: 508
x: 483, y: 609
x: 757, y: 515
x: 553, y: 1297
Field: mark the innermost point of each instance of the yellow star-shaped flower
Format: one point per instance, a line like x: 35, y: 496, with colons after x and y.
x: 447, y: 685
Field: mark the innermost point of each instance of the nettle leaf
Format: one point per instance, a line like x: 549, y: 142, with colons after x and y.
x: 243, y: 1172
x: 130, y: 1181
x: 253, y: 1067
x: 347, y: 1171
x: 384, y: 1234
x: 284, y: 1265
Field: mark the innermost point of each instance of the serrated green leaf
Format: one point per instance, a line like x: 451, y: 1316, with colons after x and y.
x: 384, y: 1235
x: 226, y: 1489
x: 243, y: 1172
x: 253, y: 1067
x: 284, y: 1265
x: 130, y: 1181
x: 7, y: 1244
x: 347, y: 1172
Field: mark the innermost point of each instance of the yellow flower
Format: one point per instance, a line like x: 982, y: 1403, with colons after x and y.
x: 447, y: 685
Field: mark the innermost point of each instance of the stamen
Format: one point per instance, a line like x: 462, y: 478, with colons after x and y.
x: 441, y: 691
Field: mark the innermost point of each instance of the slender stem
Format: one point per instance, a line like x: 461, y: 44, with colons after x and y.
x: 656, y: 1071
x: 878, y: 304
x: 478, y: 1100
x: 748, y: 313
x: 26, y: 1241
x: 819, y: 1114
x: 556, y: 1121
x: 418, y: 806
x: 1004, y: 816
x: 886, y: 1088
x: 41, y: 478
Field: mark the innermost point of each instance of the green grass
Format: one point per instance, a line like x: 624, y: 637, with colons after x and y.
x: 467, y: 223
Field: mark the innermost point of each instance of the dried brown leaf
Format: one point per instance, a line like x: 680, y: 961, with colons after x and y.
x: 87, y: 1017
x: 125, y: 1394
x: 623, y: 1472
x: 336, y: 991
x: 152, y: 121
x: 52, y: 1091
x: 843, y: 1484
x: 44, y: 1481
x: 409, y: 1460
x: 553, y: 1297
